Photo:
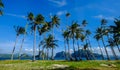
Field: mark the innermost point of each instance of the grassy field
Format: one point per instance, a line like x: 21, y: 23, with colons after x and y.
x: 59, y: 65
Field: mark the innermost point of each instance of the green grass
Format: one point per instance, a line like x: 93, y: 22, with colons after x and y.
x: 38, y: 65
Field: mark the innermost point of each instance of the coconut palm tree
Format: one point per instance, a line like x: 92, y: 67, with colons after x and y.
x: 97, y: 37
x: 64, y: 35
x: 35, y: 21
x: 115, y: 31
x: 24, y: 33
x: 100, y: 32
x: 50, y: 42
x: 79, y: 33
x: 19, y: 30
x: 42, y: 30
x: 55, y: 21
x: 87, y: 33
x: 112, y: 44
x: 73, y: 28
x: 1, y: 6
x: 103, y: 31
x: 67, y: 38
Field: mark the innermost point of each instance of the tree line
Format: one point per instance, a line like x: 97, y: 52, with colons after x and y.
x: 109, y: 35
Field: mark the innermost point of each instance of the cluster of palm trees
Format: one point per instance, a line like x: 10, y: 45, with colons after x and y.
x: 77, y: 33
x: 37, y: 25
x: 108, y: 35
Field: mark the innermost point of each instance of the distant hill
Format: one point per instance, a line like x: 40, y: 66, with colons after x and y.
x: 61, y: 55
x: 8, y: 56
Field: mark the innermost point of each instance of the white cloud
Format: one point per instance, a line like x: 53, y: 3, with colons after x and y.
x: 59, y: 3
x: 97, y: 50
x: 59, y: 13
x: 15, y: 15
x: 101, y: 17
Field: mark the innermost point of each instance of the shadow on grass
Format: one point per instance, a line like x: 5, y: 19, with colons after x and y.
x: 69, y: 68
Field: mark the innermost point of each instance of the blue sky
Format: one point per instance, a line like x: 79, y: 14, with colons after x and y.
x: 15, y: 12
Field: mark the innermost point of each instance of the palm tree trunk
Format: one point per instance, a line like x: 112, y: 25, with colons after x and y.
x: 86, y: 55
x: 100, y: 50
x: 117, y: 46
x: 39, y: 52
x: 113, y: 52
x: 116, y: 58
x: 34, y: 45
x: 47, y: 53
x: 42, y: 53
x: 91, y: 49
x: 21, y: 47
x: 108, y: 58
x: 74, y: 48
x: 52, y: 54
x: 14, y: 48
x: 70, y: 57
x: 79, y: 51
x: 65, y: 50
x: 52, y: 47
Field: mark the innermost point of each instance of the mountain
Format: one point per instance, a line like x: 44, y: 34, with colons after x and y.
x: 8, y: 56
x: 61, y: 55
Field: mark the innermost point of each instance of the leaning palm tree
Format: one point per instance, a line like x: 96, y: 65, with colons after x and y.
x: 115, y: 31
x: 24, y: 33
x: 35, y: 21
x: 79, y: 33
x: 55, y: 21
x: 103, y: 33
x: 100, y: 32
x: 97, y: 37
x: 66, y: 35
x: 19, y: 30
x: 1, y: 6
x: 87, y: 33
x: 112, y: 44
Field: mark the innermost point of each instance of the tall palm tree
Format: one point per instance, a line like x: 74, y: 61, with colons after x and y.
x: 1, y: 6
x: 97, y: 37
x: 42, y: 30
x: 64, y: 35
x: 115, y: 31
x: 87, y: 33
x: 24, y: 33
x: 73, y: 28
x: 67, y: 38
x: 79, y: 33
x: 50, y: 42
x: 55, y: 21
x: 35, y: 21
x: 103, y: 26
x: 19, y: 30
x: 100, y: 32
x: 112, y: 44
